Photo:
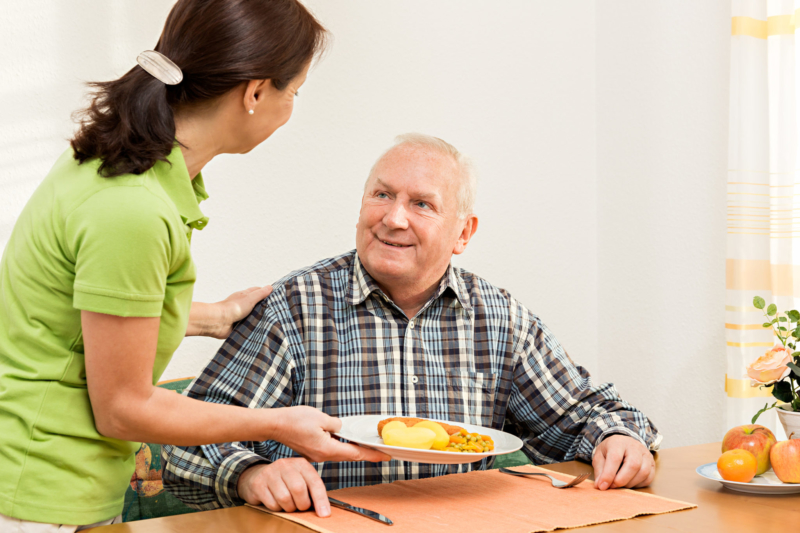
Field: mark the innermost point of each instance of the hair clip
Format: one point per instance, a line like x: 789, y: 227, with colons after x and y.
x: 160, y: 67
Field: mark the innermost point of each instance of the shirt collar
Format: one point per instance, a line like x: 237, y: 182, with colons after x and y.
x: 362, y: 285
x: 185, y: 193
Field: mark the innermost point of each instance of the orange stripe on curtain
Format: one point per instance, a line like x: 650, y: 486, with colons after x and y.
x: 761, y: 29
x: 760, y: 275
x: 745, y: 326
x: 742, y: 388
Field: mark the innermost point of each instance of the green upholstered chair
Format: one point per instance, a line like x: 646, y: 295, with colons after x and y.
x: 146, y: 497
x: 510, y: 460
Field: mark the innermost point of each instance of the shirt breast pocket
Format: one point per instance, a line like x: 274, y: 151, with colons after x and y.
x: 471, y: 397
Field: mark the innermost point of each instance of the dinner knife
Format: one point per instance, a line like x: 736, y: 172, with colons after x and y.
x: 358, y: 510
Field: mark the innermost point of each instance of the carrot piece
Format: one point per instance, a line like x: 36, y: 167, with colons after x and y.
x: 455, y: 439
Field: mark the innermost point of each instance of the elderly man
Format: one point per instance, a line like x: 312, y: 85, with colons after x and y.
x: 392, y: 328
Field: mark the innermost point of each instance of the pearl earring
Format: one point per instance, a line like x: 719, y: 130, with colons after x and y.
x: 251, y: 112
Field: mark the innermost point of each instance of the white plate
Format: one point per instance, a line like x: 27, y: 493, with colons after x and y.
x: 364, y: 430
x: 766, y: 483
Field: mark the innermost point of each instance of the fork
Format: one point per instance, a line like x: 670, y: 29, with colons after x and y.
x: 557, y: 483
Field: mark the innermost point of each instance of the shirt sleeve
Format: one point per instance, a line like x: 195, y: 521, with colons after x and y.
x: 254, y: 368
x: 120, y: 241
x: 557, y: 411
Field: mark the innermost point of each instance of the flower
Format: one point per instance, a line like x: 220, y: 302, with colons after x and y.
x: 771, y: 366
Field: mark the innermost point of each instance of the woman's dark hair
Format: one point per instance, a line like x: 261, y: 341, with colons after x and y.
x: 218, y: 44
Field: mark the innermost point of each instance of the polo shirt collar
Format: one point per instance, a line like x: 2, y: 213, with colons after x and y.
x: 362, y: 285
x: 185, y: 193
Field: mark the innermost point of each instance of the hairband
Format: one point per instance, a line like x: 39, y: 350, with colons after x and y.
x: 160, y: 67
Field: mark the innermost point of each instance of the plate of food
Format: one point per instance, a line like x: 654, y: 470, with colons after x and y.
x: 766, y: 483
x: 427, y: 440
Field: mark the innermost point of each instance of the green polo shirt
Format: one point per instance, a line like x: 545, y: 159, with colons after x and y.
x: 118, y: 246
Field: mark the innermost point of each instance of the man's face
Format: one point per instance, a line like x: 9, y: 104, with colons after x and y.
x: 409, y: 227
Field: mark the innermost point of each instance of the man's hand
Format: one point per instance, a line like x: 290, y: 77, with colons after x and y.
x: 307, y: 431
x: 622, y: 461
x: 284, y: 485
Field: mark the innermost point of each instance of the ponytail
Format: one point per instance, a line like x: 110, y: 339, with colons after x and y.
x: 129, y: 125
x: 218, y: 45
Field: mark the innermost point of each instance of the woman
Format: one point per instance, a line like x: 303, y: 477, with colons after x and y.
x: 96, y: 279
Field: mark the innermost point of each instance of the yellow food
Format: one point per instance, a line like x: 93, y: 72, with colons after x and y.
x: 459, y: 441
x: 419, y: 438
x: 442, y: 438
x: 410, y: 422
x: 465, y: 442
x: 393, y: 425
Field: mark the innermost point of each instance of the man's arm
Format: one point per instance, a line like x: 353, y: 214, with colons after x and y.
x: 254, y: 369
x: 563, y: 416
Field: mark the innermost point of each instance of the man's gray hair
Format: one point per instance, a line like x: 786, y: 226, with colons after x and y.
x: 467, y: 190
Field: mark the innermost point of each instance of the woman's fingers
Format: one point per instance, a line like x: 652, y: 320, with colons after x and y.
x: 259, y: 293
x: 340, y: 451
x: 308, y: 432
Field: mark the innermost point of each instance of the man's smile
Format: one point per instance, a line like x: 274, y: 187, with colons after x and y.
x: 395, y: 244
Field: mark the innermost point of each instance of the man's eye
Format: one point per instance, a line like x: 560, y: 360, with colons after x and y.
x: 382, y: 195
x: 423, y: 205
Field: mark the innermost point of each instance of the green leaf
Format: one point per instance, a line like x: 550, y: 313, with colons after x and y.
x: 767, y: 407
x: 775, y: 320
x: 796, y: 333
x: 783, y: 319
x: 794, y: 315
x: 795, y: 354
x: 772, y: 309
x: 758, y: 302
x: 767, y: 324
x: 782, y: 390
x: 781, y: 328
x: 791, y: 345
x: 795, y: 369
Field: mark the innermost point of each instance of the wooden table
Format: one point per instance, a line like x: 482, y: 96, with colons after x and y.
x: 718, y: 509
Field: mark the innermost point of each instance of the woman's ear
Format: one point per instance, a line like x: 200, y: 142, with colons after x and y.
x: 467, y: 231
x: 254, y: 94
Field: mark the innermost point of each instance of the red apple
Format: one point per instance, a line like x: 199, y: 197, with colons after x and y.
x: 756, y: 439
x: 785, y: 458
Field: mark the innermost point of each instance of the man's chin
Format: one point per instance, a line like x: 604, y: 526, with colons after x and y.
x: 383, y: 270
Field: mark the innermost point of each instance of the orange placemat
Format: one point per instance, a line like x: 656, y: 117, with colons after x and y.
x: 484, y: 501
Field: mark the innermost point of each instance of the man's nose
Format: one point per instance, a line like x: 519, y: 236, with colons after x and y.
x: 396, y: 218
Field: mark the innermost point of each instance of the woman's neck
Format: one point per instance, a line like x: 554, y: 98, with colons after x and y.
x: 198, y: 141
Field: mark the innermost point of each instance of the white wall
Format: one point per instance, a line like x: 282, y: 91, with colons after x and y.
x: 662, y: 115
x: 598, y: 202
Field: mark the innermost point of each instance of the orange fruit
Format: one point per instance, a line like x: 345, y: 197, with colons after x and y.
x: 737, y: 465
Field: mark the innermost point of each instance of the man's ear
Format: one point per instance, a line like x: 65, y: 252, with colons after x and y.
x: 469, y: 229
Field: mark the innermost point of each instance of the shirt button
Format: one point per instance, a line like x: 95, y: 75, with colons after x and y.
x: 411, y: 325
x: 414, y: 379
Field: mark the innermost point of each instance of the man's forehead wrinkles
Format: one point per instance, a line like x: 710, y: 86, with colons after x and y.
x: 422, y: 194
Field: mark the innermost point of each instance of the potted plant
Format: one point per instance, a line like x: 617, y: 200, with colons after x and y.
x: 780, y: 366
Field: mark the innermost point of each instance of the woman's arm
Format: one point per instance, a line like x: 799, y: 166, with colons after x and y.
x: 217, y: 319
x: 120, y: 353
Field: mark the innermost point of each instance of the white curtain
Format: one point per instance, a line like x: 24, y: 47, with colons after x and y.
x: 763, y: 192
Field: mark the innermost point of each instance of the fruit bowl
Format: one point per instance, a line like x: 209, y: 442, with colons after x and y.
x: 766, y: 483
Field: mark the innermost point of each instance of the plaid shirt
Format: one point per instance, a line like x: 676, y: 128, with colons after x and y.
x: 328, y: 337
